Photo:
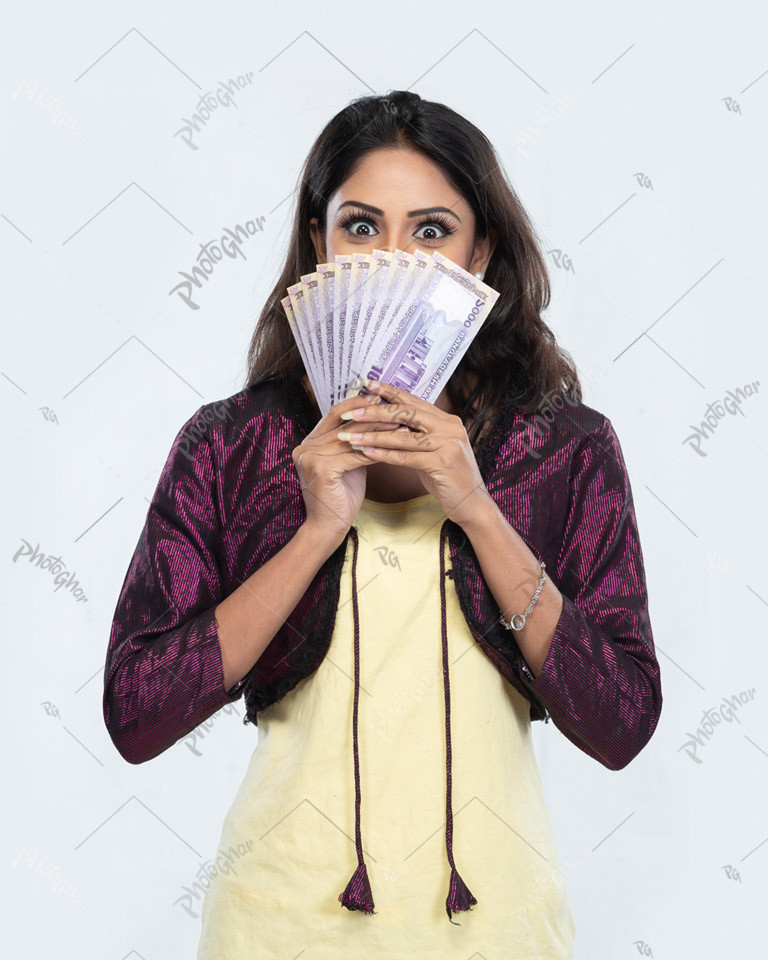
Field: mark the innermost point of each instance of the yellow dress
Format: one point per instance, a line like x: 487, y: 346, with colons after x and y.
x: 291, y: 829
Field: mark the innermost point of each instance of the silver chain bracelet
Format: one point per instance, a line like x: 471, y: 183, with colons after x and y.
x: 518, y: 620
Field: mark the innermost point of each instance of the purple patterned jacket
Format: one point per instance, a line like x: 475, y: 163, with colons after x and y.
x: 229, y: 498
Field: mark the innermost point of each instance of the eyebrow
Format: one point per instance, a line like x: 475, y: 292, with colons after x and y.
x: 411, y: 213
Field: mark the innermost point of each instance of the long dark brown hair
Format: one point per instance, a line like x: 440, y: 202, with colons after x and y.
x: 514, y: 356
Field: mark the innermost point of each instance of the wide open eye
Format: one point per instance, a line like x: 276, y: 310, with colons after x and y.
x: 351, y: 221
x: 442, y: 223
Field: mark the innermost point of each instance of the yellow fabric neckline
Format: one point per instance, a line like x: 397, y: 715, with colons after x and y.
x: 400, y: 505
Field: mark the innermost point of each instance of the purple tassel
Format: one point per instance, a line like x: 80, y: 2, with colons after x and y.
x: 459, y: 897
x: 357, y: 895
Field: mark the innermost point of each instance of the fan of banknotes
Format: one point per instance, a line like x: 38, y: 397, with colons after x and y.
x: 402, y: 318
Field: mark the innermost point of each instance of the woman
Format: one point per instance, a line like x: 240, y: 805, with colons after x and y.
x: 287, y: 559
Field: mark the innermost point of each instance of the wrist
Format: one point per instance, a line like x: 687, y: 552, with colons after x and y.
x: 317, y: 538
x: 485, y: 515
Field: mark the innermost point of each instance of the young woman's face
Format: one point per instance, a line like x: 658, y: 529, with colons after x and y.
x: 399, y: 199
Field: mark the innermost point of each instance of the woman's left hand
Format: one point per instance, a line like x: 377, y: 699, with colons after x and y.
x: 429, y: 440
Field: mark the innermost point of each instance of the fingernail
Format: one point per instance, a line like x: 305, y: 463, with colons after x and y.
x: 352, y: 414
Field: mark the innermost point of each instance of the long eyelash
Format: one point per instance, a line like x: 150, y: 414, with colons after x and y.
x: 439, y: 218
x: 352, y: 217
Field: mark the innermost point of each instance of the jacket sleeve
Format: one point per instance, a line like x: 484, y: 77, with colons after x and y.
x: 163, y: 673
x: 600, y: 680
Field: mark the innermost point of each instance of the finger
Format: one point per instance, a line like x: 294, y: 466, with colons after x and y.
x: 395, y: 394
x: 326, y: 443
x: 331, y: 434
x: 349, y: 402
x: 406, y: 407
x: 398, y: 456
x: 332, y: 418
x: 417, y: 419
x: 400, y: 438
x: 356, y: 402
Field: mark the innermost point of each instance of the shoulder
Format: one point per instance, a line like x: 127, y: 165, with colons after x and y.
x: 558, y: 451
x: 267, y: 402
x: 559, y: 426
x: 571, y: 446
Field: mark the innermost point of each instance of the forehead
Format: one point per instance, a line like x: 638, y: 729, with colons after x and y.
x: 396, y: 179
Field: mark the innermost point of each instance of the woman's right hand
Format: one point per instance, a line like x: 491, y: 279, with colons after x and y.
x: 332, y: 474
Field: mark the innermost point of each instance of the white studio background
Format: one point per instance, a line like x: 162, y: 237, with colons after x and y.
x: 635, y: 136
